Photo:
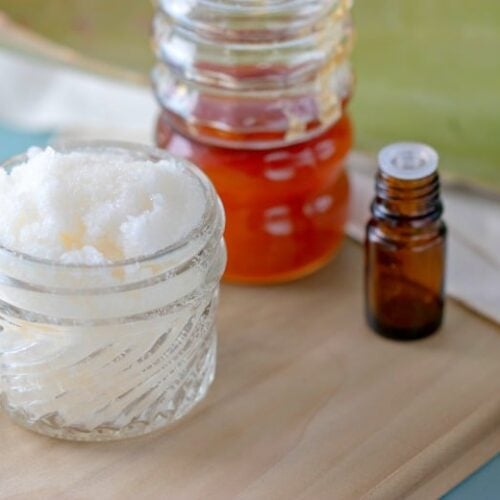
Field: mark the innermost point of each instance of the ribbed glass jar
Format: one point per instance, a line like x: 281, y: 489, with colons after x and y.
x: 255, y: 93
x: 98, y: 352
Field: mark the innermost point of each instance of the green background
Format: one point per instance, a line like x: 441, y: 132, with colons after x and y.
x: 427, y: 70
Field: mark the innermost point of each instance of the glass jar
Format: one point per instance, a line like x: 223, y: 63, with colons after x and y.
x: 255, y: 93
x: 98, y: 352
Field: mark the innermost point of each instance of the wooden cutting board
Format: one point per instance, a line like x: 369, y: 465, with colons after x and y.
x: 307, y: 404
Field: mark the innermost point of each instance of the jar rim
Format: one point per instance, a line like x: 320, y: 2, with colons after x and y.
x: 150, y: 153
x: 243, y: 7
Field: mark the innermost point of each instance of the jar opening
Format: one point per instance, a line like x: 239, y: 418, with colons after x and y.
x: 139, y: 152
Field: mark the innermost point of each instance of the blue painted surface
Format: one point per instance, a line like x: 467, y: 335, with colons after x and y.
x: 14, y: 141
x: 484, y: 484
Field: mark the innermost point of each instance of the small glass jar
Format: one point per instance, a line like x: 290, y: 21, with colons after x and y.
x: 100, y: 352
x: 255, y: 93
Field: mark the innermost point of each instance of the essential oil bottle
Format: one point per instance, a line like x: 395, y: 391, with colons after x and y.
x: 405, y: 249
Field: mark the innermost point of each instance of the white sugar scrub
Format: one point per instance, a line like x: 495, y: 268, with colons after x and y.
x: 110, y: 261
x: 92, y: 208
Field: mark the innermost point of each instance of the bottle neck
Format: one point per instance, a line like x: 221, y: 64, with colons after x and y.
x: 416, y: 202
x: 255, y: 74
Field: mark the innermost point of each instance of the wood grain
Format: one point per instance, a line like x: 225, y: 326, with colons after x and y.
x: 307, y: 404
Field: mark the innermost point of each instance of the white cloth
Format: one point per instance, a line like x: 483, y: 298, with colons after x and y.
x: 40, y: 96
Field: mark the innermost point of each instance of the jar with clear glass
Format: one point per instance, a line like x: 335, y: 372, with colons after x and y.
x: 255, y: 93
x: 99, y: 352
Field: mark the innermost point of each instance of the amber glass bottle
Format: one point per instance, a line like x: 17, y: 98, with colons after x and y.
x: 255, y: 93
x: 405, y: 246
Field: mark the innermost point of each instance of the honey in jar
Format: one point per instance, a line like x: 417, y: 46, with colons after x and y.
x: 256, y: 94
